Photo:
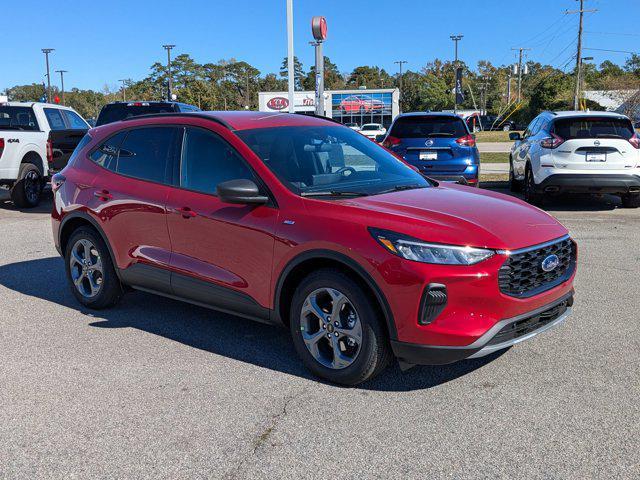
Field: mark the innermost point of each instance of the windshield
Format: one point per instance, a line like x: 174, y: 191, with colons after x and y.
x: 593, y: 127
x: 329, y: 161
x: 429, y: 126
x: 120, y: 111
x: 18, y: 118
x: 371, y: 126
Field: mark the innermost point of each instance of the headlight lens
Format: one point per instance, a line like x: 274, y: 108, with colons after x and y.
x: 419, y: 251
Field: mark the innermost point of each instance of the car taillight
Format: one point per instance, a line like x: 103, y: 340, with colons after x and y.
x: 57, y: 181
x: 137, y: 104
x: 1, y: 146
x: 466, y: 141
x: 554, y: 141
x: 390, y: 141
x: 635, y: 141
x: 49, y: 151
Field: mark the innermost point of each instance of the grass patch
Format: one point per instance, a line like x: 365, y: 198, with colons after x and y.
x: 493, y: 157
x: 498, y: 136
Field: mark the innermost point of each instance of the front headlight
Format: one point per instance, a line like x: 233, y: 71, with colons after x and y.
x: 419, y: 251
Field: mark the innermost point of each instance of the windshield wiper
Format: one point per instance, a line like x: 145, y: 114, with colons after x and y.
x: 399, y: 188
x: 333, y: 193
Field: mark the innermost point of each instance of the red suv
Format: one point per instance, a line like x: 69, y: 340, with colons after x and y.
x: 296, y: 220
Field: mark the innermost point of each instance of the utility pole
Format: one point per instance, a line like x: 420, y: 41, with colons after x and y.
x: 456, y: 39
x: 290, y: 70
x: 576, y: 95
x: 62, y: 72
x: 400, y: 62
x: 170, y: 82
x: 46, y: 52
x: 124, y: 88
x: 520, y: 50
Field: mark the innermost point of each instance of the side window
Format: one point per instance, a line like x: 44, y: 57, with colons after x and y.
x: 83, y: 143
x: 208, y: 160
x: 107, y: 154
x: 145, y: 153
x: 74, y: 120
x: 55, y: 119
x: 531, y: 128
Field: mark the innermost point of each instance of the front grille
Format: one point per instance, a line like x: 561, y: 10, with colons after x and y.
x: 522, y: 275
x: 523, y: 327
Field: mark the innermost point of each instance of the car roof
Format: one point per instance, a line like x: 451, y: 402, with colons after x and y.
x: 31, y: 104
x: 580, y: 113
x: 428, y: 114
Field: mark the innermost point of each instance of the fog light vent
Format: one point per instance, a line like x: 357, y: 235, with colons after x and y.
x: 434, y: 299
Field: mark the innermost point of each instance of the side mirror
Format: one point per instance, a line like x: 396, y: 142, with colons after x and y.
x: 240, y: 191
x: 515, y: 136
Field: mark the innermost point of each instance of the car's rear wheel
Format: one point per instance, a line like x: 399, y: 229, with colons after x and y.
x: 27, y: 190
x: 514, y: 185
x: 336, y: 329
x: 531, y: 194
x: 90, y: 270
x: 631, y: 200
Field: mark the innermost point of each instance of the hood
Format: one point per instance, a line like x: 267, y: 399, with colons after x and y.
x: 459, y: 215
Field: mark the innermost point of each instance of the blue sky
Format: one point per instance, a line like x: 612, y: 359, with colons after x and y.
x: 102, y: 41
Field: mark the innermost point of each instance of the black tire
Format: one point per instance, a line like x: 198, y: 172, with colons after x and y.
x: 531, y: 194
x: 27, y: 191
x: 631, y: 200
x: 375, y: 352
x: 514, y: 185
x: 111, y: 289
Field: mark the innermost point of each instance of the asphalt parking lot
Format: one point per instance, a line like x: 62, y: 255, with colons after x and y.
x: 160, y: 389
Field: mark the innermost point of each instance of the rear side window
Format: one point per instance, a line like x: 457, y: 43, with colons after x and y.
x: 145, y: 154
x: 83, y: 143
x: 429, y: 126
x: 55, y: 119
x: 74, y: 120
x: 208, y: 160
x: 593, y: 127
x: 106, y: 154
x: 18, y: 118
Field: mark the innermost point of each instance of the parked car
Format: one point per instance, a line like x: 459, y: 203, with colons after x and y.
x: 438, y: 144
x: 486, y: 123
x: 112, y: 112
x: 353, y: 126
x: 297, y: 220
x: 361, y: 104
x: 36, y: 140
x: 372, y: 130
x: 577, y: 152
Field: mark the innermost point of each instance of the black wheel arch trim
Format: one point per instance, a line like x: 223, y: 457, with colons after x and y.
x: 320, y: 254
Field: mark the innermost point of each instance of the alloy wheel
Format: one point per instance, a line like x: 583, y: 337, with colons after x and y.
x: 32, y: 186
x: 87, y: 271
x: 331, y: 328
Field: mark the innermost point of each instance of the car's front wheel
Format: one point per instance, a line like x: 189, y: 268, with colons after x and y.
x: 531, y: 194
x: 514, y: 184
x: 336, y: 329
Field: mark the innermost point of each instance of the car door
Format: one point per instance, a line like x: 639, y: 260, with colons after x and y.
x: 521, y: 149
x: 130, y: 189
x: 222, y: 253
x: 67, y: 129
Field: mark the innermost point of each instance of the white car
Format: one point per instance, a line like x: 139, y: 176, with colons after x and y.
x: 372, y: 130
x: 577, y: 152
x: 36, y: 141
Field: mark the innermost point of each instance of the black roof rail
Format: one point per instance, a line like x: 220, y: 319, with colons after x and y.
x: 205, y: 116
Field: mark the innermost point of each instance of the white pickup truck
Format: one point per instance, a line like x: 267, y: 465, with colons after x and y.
x: 36, y: 141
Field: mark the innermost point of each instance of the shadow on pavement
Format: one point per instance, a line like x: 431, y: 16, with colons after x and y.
x: 222, y: 334
x: 45, y: 206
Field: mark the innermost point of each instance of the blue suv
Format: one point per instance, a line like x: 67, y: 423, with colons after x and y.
x: 439, y: 144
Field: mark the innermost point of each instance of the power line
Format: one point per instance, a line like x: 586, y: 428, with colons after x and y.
x: 614, y: 51
x: 613, y: 33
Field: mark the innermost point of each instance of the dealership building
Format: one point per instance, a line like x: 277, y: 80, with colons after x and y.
x: 346, y: 106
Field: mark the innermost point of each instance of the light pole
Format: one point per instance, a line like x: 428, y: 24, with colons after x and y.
x: 319, y: 32
x: 46, y: 52
x: 170, y: 82
x: 458, y: 74
x: 290, y: 71
x: 400, y: 62
x: 62, y: 72
x: 124, y: 88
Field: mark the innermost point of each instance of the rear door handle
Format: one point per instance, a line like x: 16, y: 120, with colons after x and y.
x: 186, y: 212
x: 103, y: 195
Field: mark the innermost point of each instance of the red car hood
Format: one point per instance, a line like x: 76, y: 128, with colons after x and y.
x: 459, y: 215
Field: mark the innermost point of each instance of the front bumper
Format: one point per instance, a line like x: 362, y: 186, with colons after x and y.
x: 590, y: 183
x: 503, y: 334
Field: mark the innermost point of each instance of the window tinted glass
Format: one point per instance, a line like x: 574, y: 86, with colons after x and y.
x: 531, y: 128
x: 429, y: 126
x: 371, y: 127
x: 326, y: 159
x: 86, y: 139
x: 107, y: 154
x: 119, y: 111
x: 17, y: 118
x: 145, y: 152
x: 208, y: 160
x: 593, y: 127
x: 74, y: 120
x: 54, y: 118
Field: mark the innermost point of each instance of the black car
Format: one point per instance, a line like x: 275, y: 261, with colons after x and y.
x: 478, y: 123
x: 112, y: 112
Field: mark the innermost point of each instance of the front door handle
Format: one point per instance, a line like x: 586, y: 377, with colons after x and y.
x: 186, y: 212
x: 103, y: 195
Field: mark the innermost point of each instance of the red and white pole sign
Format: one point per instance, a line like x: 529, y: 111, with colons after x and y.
x: 319, y: 28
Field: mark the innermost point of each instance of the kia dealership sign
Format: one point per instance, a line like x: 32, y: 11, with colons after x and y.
x: 277, y: 103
